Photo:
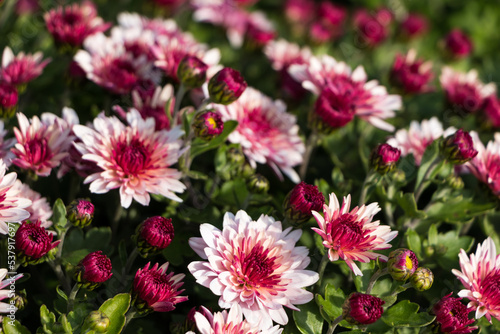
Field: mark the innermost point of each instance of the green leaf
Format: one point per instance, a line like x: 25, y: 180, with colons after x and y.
x: 233, y: 193
x: 458, y: 209
x: 367, y: 269
x: 414, y: 242
x: 13, y: 327
x: 77, y: 246
x: 59, y: 214
x: 409, y: 205
x: 308, y: 320
x: 405, y: 314
x: 331, y: 306
x: 433, y: 235
x: 199, y: 146
x: 447, y: 258
x: 61, y: 293
x: 115, y: 308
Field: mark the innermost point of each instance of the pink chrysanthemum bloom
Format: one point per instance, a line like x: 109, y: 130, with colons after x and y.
x: 492, y: 110
x: 13, y: 205
x: 372, y: 28
x: 5, y: 145
x: 41, y: 144
x: 73, y: 23
x: 266, y: 132
x: 452, y: 316
x: 259, y: 30
x: 352, y: 235
x: 410, y: 74
x: 39, y: 209
x: 414, y: 25
x: 157, y: 27
x: 366, y: 100
x: 4, y: 293
x: 486, y: 164
x: 419, y: 135
x: 134, y: 158
x: 464, y: 90
x: 254, y: 264
x: 458, y: 44
x: 480, y: 275
x: 107, y: 63
x: 225, y: 322
x: 21, y: 69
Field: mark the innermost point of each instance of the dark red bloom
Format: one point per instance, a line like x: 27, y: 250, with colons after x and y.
x: 332, y: 17
x: 414, y: 25
x: 336, y: 105
x: 492, y: 110
x: 192, y: 72
x: 458, y: 43
x: 154, y: 234
x: 301, y: 201
x: 453, y: 316
x: 226, y: 86
x: 8, y: 99
x: 94, y: 269
x: 402, y: 263
x: 33, y: 242
x: 410, y: 74
x: 373, y: 29
x: 207, y: 125
x: 458, y: 148
x: 257, y: 36
x: 384, y: 158
x: 362, y: 309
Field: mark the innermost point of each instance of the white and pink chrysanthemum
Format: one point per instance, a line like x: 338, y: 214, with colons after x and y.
x: 418, y: 137
x: 39, y: 209
x: 282, y: 54
x: 254, y: 264
x: 225, y: 322
x: 22, y: 68
x: 352, y: 94
x: 134, y: 158
x: 7, y: 293
x: 13, y: 206
x: 480, y: 275
x: 486, y: 164
x: 41, y: 143
x: 5, y: 145
x: 464, y: 90
x: 352, y: 235
x: 266, y: 132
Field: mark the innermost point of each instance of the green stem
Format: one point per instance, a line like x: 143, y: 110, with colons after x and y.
x: 8, y: 6
x: 334, y: 324
x: 366, y: 186
x: 56, y: 267
x: 311, y: 144
x: 72, y: 297
x: 131, y: 259
x: 421, y: 187
x: 130, y: 315
x: 321, y: 268
x: 203, y: 104
x: 178, y: 99
x: 379, y: 273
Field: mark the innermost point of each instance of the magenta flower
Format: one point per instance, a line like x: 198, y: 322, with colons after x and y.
x: 492, y: 110
x: 226, y: 86
x: 458, y: 44
x: 73, y: 23
x: 192, y: 72
x: 331, y: 17
x: 458, y: 148
x: 301, y: 201
x: 414, y: 25
x: 33, y: 242
x: 21, y: 69
x: 300, y: 11
x: 384, y: 158
x: 154, y: 234
x: 93, y: 270
x: 254, y: 264
x: 362, y: 309
x: 486, y: 164
x: 453, y: 316
x: 80, y: 212
x: 266, y: 132
x: 373, y: 29
x: 225, y: 322
x: 348, y: 92
x: 155, y: 290
x: 207, y: 125
x: 8, y: 98
x: 259, y: 31
x: 352, y: 235
x: 480, y: 275
x: 410, y: 74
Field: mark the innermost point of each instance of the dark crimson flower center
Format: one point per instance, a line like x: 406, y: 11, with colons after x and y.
x: 492, y: 286
x: 122, y: 72
x: 37, y: 150
x: 158, y: 286
x: 132, y: 157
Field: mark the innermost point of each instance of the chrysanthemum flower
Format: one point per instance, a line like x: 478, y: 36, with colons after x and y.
x: 4, y: 293
x: 93, y: 270
x: 352, y: 94
x: 21, y: 69
x: 410, y: 74
x: 419, y: 135
x: 225, y: 322
x: 464, y: 90
x: 414, y: 25
x: 480, y: 274
x: 492, y: 110
x: 5, y: 145
x: 134, y: 158
x: 266, y: 132
x: 486, y: 164
x: 33, y: 242
x: 352, y: 235
x: 13, y: 205
x: 254, y: 264
x: 458, y: 44
x: 453, y: 316
x: 39, y: 209
x: 72, y: 24
x: 41, y: 144
x: 373, y: 28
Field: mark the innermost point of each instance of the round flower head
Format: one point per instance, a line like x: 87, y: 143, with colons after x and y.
x: 80, y: 212
x: 352, y: 235
x: 266, y: 132
x: 155, y: 290
x: 414, y: 25
x: 93, y: 270
x: 254, y: 264
x: 154, y: 235
x: 410, y: 74
x: 300, y: 202
x: 401, y: 264
x: 192, y: 72
x: 422, y: 279
x: 373, y: 29
x: 21, y: 69
x: 226, y: 86
x: 458, y: 148
x: 453, y: 316
x: 480, y: 274
x: 225, y: 322
x: 134, y: 158
x: 384, y: 158
x: 458, y: 44
x: 362, y: 309
x: 33, y: 242
x: 207, y: 125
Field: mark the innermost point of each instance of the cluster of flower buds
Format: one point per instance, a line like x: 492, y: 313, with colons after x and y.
x: 93, y: 270
x: 301, y: 201
x: 226, y: 86
x: 80, y: 212
x: 33, y: 243
x: 153, y: 235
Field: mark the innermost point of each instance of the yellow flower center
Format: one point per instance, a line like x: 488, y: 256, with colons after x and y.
x: 409, y: 263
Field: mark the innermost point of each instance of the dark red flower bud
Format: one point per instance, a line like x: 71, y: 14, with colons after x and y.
x: 458, y: 148
x: 372, y: 28
x: 414, y: 25
x: 33, y: 242
x: 226, y: 86
x: 453, y: 316
x: 207, y: 125
x: 301, y: 201
x: 402, y: 264
x: 8, y: 100
x: 192, y: 72
x: 154, y: 235
x: 384, y: 158
x: 93, y: 270
x: 458, y: 44
x: 80, y: 213
x: 362, y: 309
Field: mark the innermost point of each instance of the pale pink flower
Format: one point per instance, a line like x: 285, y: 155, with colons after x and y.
x: 5, y: 291
x: 225, y: 322
x: 21, y: 69
x: 282, y: 54
x: 12, y: 204
x: 5, y: 145
x: 135, y: 158
x: 419, y: 135
x: 254, y: 264
x: 158, y: 27
x: 73, y: 23
x: 41, y: 144
x: 486, y: 164
x: 480, y: 274
x: 39, y: 209
x: 368, y: 100
x: 266, y: 132
x: 352, y: 235
x: 464, y: 90
x: 107, y: 63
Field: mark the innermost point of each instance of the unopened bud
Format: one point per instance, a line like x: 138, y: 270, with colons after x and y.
x: 96, y: 321
x: 301, y: 201
x: 192, y: 72
x: 80, y: 213
x: 458, y: 148
x: 362, y: 309
x: 422, y: 279
x: 207, y: 125
x: 93, y: 270
x: 401, y: 264
x: 154, y: 235
x: 384, y: 158
x: 226, y: 86
x: 257, y: 183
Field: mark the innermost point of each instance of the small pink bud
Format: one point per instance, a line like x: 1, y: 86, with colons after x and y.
x: 33, y: 242
x: 362, y: 309
x: 458, y: 44
x: 301, y: 201
x: 384, y: 158
x: 93, y: 270
x: 401, y: 264
x: 207, y: 125
x: 154, y: 235
x: 80, y: 213
x: 226, y: 86
x: 458, y: 148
